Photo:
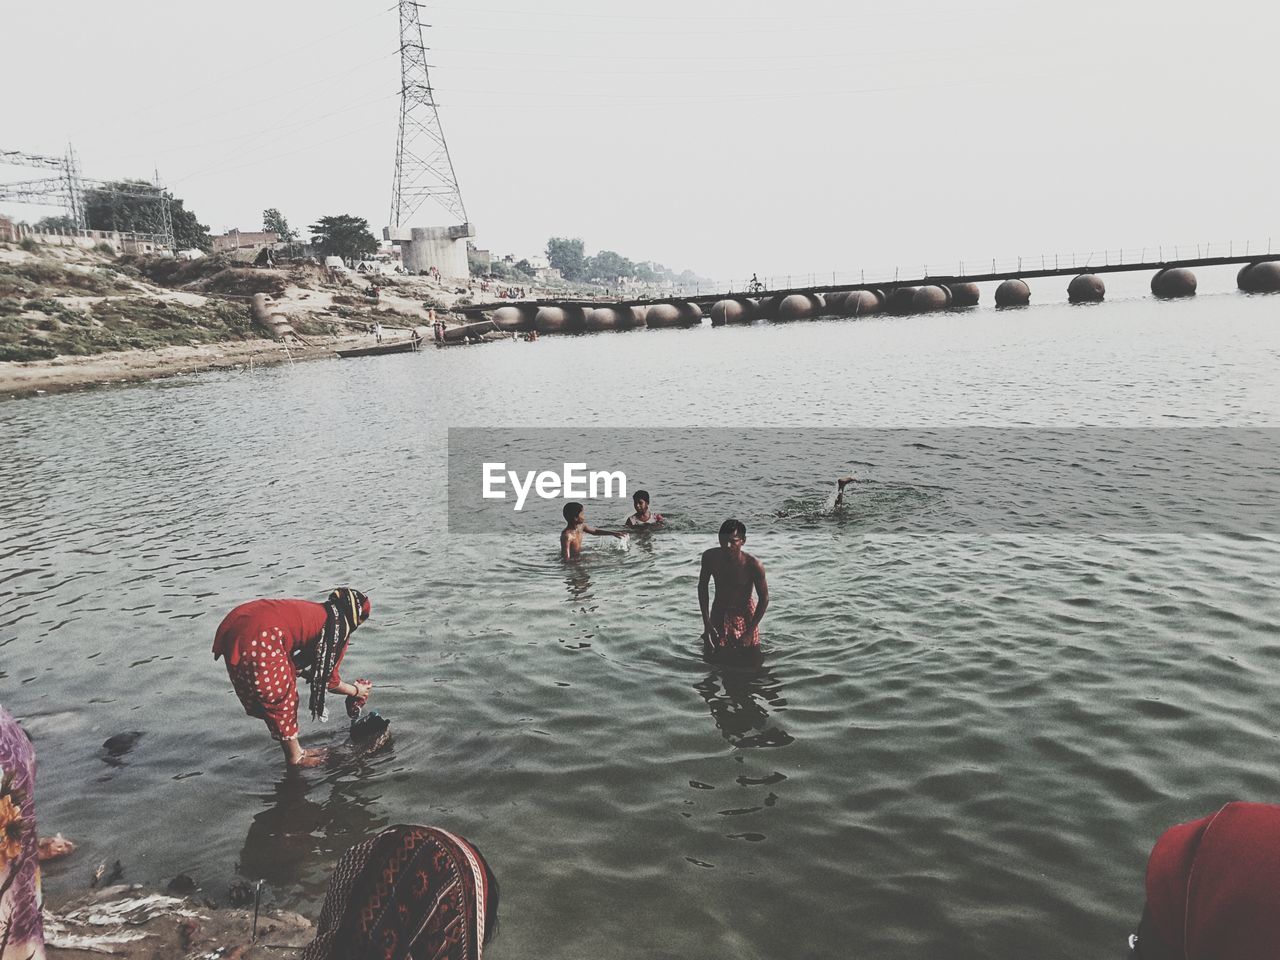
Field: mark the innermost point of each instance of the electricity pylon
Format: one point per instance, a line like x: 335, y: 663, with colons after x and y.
x: 423, y: 166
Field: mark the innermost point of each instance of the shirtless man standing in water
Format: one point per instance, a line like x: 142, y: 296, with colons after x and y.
x: 733, y: 621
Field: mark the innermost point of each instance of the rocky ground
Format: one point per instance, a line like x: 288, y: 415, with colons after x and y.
x: 135, y: 923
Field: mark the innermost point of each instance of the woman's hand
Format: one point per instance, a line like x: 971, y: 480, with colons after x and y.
x: 363, y: 688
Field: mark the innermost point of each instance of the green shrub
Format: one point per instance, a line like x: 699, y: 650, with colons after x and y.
x: 23, y: 352
x: 29, y: 244
x: 104, y: 248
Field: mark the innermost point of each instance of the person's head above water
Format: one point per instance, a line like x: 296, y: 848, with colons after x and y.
x: 731, y: 529
x: 640, y: 499
x: 573, y: 512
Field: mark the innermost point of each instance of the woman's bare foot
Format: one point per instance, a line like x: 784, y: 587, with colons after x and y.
x: 315, y: 757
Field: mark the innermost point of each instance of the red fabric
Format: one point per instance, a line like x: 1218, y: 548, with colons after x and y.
x: 257, y: 639
x: 733, y: 628
x: 1213, y: 885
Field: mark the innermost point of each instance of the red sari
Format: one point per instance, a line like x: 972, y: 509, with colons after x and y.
x: 258, y: 640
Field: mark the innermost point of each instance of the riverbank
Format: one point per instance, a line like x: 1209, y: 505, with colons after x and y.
x: 62, y: 374
x: 73, y: 318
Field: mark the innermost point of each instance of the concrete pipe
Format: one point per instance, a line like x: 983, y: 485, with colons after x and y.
x: 737, y: 310
x: 551, y: 320
x: 1261, y: 277
x: 1086, y: 288
x: 901, y: 300
x: 859, y: 303
x: 1174, y: 282
x: 928, y: 299
x: 964, y: 294
x: 1013, y: 293
x: 799, y: 306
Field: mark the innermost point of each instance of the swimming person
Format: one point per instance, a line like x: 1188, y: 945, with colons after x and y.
x: 733, y: 621
x: 642, y: 517
x: 1213, y: 888
x: 268, y: 643
x: 575, y: 527
x: 840, y: 485
x: 21, y: 924
x: 409, y: 893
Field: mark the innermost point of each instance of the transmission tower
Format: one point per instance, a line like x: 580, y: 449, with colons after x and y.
x: 423, y: 166
x: 69, y: 187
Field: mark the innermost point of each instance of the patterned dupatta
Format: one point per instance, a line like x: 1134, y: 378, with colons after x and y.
x: 409, y: 893
x: 345, y: 610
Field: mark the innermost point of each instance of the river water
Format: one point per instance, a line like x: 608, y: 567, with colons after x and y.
x: 956, y: 745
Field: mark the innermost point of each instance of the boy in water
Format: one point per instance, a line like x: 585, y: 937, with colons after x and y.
x: 575, y: 527
x: 733, y: 621
x: 642, y: 517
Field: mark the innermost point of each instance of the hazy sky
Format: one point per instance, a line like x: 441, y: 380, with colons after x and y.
x: 723, y: 137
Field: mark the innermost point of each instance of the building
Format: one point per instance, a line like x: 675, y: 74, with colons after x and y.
x: 235, y: 240
x: 480, y: 261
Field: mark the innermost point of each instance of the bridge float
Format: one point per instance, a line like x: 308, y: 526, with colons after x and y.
x: 1171, y: 278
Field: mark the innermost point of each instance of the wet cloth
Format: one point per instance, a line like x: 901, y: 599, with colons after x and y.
x: 21, y: 927
x: 267, y: 643
x: 732, y: 622
x: 1213, y: 888
x: 409, y: 893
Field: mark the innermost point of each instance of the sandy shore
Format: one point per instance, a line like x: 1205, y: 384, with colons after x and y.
x: 72, y: 373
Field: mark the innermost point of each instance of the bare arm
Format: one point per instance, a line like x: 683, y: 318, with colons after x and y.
x: 565, y: 553
x: 704, y: 596
x: 762, y: 596
x: 601, y: 533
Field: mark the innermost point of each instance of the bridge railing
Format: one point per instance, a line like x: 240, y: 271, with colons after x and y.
x: 1075, y: 260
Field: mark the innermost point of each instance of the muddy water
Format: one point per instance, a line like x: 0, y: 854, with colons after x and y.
x: 954, y: 745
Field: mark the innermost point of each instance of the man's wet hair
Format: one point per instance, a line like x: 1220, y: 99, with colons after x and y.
x: 571, y: 511
x: 640, y: 495
x: 730, y: 527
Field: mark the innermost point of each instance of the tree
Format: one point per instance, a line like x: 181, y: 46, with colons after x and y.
x: 273, y: 221
x: 525, y: 267
x: 343, y: 236
x: 63, y: 223
x: 568, y: 256
x: 607, y: 265
x: 134, y: 206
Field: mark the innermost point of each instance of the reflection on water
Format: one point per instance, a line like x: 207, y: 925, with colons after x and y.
x: 739, y: 692
x: 578, y: 581
x: 303, y: 826
x: 545, y: 709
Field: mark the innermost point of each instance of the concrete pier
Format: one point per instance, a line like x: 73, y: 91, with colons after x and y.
x: 444, y: 248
